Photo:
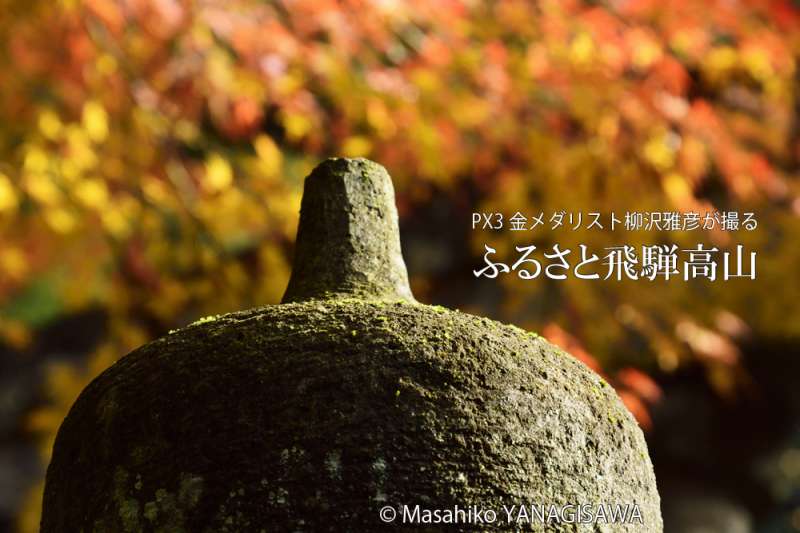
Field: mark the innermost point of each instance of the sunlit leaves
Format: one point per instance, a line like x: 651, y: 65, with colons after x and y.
x: 95, y: 121
x: 219, y: 175
x: 8, y: 194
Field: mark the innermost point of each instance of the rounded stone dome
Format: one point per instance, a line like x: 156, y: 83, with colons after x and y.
x: 350, y: 397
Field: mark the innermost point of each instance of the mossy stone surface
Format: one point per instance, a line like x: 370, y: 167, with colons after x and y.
x: 348, y: 241
x: 314, y: 414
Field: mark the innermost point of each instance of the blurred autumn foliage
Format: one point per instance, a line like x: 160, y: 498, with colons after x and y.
x: 152, y: 154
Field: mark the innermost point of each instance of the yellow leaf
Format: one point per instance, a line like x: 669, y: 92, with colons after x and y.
x: 470, y: 112
x: 219, y: 174
x: 95, y: 121
x: 659, y: 153
x: 15, y: 333
x: 720, y: 60
x: 426, y: 80
x: 647, y: 53
x: 8, y: 196
x: 758, y: 64
x: 13, y: 263
x: 60, y: 220
x: 69, y: 170
x: 44, y: 419
x: 682, y: 41
x: 608, y: 126
x: 186, y: 131
x: 155, y: 190
x: 289, y: 83
x: 42, y: 188
x: 219, y: 69
x: 35, y: 160
x: 356, y: 146
x: 269, y: 154
x: 115, y: 223
x: 380, y: 119
x: 106, y: 64
x: 50, y: 125
x: 81, y: 152
x: 296, y: 126
x: 581, y: 49
x: 677, y: 188
x: 92, y: 193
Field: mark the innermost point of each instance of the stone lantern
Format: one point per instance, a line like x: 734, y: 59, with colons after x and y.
x: 347, y: 407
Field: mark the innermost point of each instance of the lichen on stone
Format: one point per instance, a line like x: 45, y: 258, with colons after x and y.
x: 308, y: 410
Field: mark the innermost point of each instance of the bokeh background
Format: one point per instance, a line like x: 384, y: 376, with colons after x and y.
x: 152, y: 154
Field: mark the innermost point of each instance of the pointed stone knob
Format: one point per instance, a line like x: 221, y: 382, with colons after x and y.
x: 348, y: 241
